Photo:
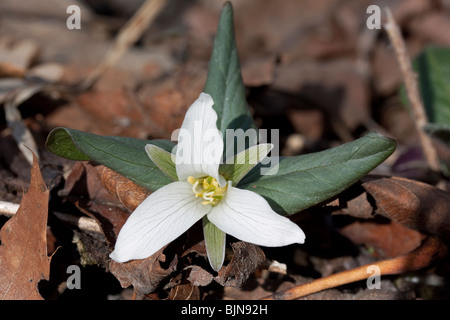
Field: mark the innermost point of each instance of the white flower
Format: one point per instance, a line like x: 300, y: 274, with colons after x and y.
x: 171, y: 210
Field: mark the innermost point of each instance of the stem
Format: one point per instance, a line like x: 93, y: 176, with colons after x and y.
x: 410, y: 79
x: 419, y: 258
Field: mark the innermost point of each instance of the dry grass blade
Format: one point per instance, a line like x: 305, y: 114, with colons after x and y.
x: 431, y: 249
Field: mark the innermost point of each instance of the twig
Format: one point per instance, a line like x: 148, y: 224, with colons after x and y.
x: 84, y: 223
x: 8, y: 208
x: 419, y: 258
x: 410, y: 79
x: 128, y: 35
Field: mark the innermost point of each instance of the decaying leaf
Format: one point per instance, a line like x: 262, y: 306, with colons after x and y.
x: 23, y: 244
x: 394, y: 214
x: 184, y: 291
x: 129, y: 194
x: 84, y: 188
x: 429, y: 251
x: 144, y: 275
x: 20, y: 132
x: 247, y: 257
x: 388, y: 238
x: 199, y: 276
x: 415, y: 205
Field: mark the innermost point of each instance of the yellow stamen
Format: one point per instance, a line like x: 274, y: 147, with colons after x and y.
x: 192, y: 180
x: 208, y: 188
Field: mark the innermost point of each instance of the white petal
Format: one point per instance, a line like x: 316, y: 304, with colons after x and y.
x: 158, y: 220
x: 200, y: 145
x: 247, y: 216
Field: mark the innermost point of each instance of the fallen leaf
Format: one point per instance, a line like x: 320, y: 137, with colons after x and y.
x: 258, y: 71
x: 247, y: 257
x: 184, y: 291
x: 84, y: 188
x: 428, y: 252
x: 334, y: 87
x: 23, y: 247
x: 389, y: 238
x: 144, y: 275
x: 415, y: 205
x: 127, y: 192
x: 17, y: 58
x: 20, y: 132
x: 357, y: 206
x: 199, y: 276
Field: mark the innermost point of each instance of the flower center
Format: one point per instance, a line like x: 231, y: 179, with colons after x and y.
x: 208, y: 188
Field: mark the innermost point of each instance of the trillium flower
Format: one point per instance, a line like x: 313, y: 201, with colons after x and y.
x: 201, y: 191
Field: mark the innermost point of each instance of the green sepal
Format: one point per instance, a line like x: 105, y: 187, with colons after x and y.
x: 237, y: 167
x: 214, y: 243
x: 164, y: 160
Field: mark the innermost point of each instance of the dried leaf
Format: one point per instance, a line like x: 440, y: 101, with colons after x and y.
x: 184, y: 291
x: 144, y: 275
x: 413, y: 204
x: 428, y: 252
x: 388, y: 238
x: 354, y: 203
x: 129, y: 194
x: 247, y: 257
x: 84, y: 188
x: 199, y: 276
x: 83, y: 182
x: 20, y: 132
x: 23, y: 248
x: 17, y: 58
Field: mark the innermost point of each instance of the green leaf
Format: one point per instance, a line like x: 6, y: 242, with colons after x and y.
x: 307, y: 180
x: 214, y: 243
x: 433, y: 68
x: 224, y: 81
x: 60, y: 143
x: 163, y: 160
x: 236, y: 168
x: 124, y: 155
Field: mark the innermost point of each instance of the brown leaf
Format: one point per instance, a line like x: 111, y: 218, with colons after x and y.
x: 413, y: 204
x: 428, y: 252
x: 17, y: 58
x: 199, y: 276
x: 23, y: 248
x: 129, y: 194
x: 258, y: 71
x: 184, y: 291
x: 84, y: 188
x: 389, y: 239
x: 358, y: 207
x: 247, y: 257
x: 83, y: 182
x: 144, y: 275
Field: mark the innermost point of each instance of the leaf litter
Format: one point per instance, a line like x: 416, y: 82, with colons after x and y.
x: 23, y: 244
x: 287, y: 74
